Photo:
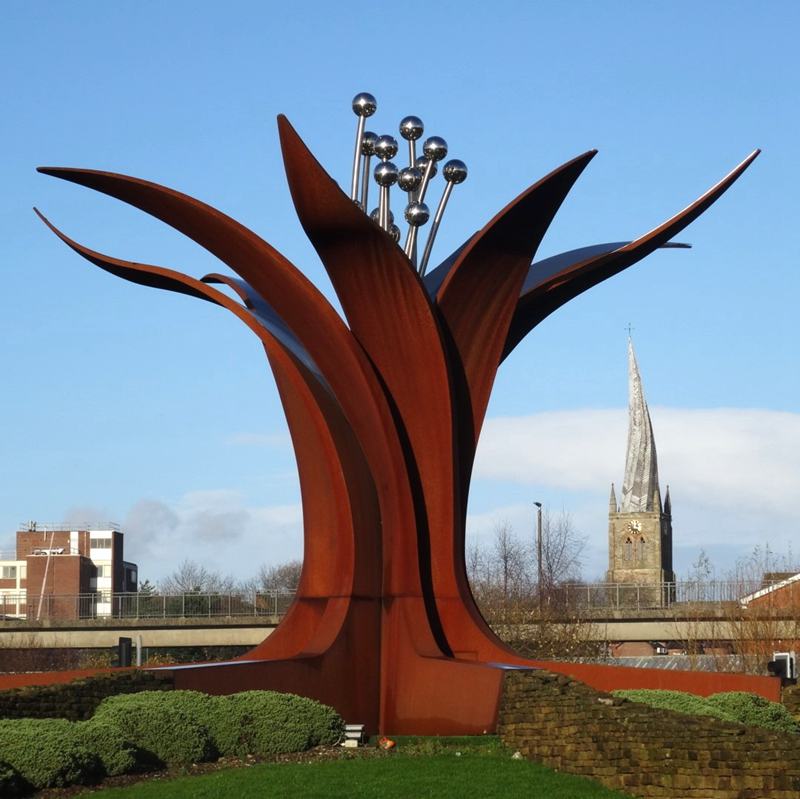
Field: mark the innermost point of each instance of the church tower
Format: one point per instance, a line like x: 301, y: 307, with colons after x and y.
x: 640, y: 528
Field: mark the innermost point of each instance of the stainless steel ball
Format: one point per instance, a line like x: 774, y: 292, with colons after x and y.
x: 417, y: 214
x: 411, y: 128
x: 386, y: 147
x: 364, y: 104
x: 368, y: 141
x: 394, y: 232
x: 386, y: 173
x: 375, y: 216
x: 409, y: 178
x: 435, y: 148
x: 454, y: 171
x: 422, y: 163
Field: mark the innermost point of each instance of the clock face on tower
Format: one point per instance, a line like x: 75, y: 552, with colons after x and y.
x: 634, y: 527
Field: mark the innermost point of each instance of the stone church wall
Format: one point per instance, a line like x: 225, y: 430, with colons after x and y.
x: 645, y: 751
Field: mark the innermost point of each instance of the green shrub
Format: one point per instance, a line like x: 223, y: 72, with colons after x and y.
x: 267, y: 722
x: 754, y: 710
x: 678, y: 701
x: 47, y: 752
x: 738, y: 706
x: 107, y: 741
x: 11, y: 783
x: 168, y: 726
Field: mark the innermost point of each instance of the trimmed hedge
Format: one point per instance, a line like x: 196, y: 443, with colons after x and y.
x: 133, y: 731
x: 47, y: 753
x: 268, y: 723
x: 169, y: 727
x: 108, y: 742
x: 738, y: 706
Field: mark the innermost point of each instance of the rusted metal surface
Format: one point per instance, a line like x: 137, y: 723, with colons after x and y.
x: 384, y: 417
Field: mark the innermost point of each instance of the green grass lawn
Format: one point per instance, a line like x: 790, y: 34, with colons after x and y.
x: 419, y: 768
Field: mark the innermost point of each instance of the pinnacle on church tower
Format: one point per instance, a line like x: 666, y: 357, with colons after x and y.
x: 640, y: 491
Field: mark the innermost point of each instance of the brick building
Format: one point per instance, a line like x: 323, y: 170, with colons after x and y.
x: 59, y: 572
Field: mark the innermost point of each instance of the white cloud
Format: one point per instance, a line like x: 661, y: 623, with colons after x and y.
x: 734, y: 474
x: 716, y: 457
x: 217, y: 529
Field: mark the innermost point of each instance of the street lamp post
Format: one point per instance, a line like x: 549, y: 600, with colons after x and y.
x: 539, y: 551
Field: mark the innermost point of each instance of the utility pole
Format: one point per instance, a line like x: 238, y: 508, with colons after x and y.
x: 539, y: 551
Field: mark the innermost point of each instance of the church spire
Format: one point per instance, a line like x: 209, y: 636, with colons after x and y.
x: 640, y: 486
x: 667, y: 504
x: 612, y: 501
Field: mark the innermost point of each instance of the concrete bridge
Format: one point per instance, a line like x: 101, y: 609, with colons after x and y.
x: 616, y: 626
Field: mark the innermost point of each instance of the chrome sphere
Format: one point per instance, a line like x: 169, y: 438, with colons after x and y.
x: 394, y: 232
x: 411, y: 128
x: 417, y: 214
x: 409, y: 178
x: 435, y: 148
x: 368, y: 141
x: 364, y: 104
x: 386, y: 173
x: 422, y: 163
x: 375, y: 216
x: 386, y: 147
x: 455, y: 171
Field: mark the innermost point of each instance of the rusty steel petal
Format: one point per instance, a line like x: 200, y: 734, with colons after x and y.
x: 540, y: 271
x: 306, y: 312
x: 538, y: 303
x: 392, y: 318
x: 480, y: 292
x: 337, y: 490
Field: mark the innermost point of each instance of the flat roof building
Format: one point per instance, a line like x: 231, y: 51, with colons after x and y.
x: 61, y: 571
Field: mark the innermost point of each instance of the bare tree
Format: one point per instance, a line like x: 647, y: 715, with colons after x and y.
x: 282, y: 577
x: 510, y: 563
x: 562, y: 551
x: 192, y: 578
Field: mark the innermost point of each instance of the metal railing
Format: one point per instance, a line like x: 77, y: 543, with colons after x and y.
x: 647, y: 596
x: 572, y: 598
x: 145, y: 606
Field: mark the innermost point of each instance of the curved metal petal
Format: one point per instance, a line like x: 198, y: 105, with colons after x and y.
x: 540, y: 271
x: 303, y: 308
x: 479, y: 295
x: 269, y: 318
x: 392, y: 317
x: 539, y: 302
x: 338, y: 491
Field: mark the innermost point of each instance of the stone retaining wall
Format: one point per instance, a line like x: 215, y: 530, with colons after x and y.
x: 642, y: 750
x: 77, y: 700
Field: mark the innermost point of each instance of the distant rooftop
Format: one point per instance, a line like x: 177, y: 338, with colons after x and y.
x: 48, y: 527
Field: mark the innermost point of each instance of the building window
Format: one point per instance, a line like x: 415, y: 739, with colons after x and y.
x: 628, y: 548
x: 100, y: 543
x: 642, y: 544
x: 104, y: 570
x: 8, y: 572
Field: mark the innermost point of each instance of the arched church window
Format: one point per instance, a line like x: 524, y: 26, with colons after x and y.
x: 628, y: 548
x: 642, y: 545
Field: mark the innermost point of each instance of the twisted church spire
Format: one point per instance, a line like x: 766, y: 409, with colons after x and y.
x: 640, y: 492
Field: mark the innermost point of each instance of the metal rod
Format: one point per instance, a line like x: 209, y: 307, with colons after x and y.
x: 362, y: 122
x: 426, y: 177
x: 383, y: 207
x: 437, y: 219
x: 365, y: 178
x: 411, y: 243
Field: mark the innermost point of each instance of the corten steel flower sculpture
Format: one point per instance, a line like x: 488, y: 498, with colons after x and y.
x: 384, y: 413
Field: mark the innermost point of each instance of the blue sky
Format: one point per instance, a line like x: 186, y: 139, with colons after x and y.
x: 159, y: 412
